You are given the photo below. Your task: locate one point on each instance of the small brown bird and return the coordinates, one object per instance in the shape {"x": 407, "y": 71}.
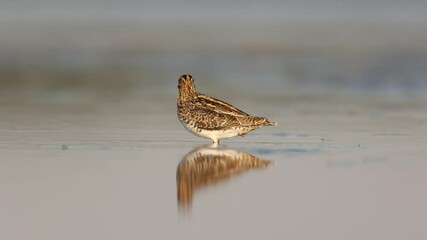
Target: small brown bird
{"x": 208, "y": 117}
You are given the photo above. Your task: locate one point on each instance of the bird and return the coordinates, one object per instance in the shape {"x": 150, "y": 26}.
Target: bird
{"x": 212, "y": 118}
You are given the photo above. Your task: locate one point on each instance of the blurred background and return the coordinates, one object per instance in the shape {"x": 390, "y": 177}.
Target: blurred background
{"x": 90, "y": 145}
{"x": 87, "y": 52}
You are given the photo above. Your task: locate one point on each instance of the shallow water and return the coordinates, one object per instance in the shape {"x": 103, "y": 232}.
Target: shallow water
{"x": 334, "y": 168}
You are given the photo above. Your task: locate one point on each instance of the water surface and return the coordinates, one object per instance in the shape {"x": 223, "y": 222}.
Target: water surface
{"x": 343, "y": 169}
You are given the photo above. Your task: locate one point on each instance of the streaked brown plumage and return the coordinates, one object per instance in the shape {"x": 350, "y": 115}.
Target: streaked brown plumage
{"x": 212, "y": 118}
{"x": 206, "y": 166}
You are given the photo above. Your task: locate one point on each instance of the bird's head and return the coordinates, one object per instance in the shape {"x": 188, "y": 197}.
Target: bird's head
{"x": 186, "y": 87}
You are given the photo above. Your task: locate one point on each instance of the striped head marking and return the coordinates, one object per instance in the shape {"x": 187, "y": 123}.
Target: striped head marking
{"x": 186, "y": 87}
{"x": 185, "y": 80}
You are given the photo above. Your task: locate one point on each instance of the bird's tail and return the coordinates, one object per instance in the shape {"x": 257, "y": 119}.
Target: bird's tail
{"x": 258, "y": 121}
{"x": 268, "y": 123}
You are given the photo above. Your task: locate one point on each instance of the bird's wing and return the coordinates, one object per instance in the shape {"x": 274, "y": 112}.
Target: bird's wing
{"x": 206, "y": 117}
{"x": 218, "y": 106}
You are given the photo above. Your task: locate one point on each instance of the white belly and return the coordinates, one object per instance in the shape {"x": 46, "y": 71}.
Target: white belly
{"x": 214, "y": 134}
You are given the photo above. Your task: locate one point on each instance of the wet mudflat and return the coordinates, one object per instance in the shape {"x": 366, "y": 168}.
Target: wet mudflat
{"x": 334, "y": 168}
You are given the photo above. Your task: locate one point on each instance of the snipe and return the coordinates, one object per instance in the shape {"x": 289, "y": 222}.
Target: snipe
{"x": 211, "y": 118}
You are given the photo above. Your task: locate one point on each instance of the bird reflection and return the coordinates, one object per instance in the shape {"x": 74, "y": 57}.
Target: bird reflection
{"x": 206, "y": 166}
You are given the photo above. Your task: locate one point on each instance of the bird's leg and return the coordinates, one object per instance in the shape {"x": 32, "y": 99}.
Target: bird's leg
{"x": 215, "y": 142}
